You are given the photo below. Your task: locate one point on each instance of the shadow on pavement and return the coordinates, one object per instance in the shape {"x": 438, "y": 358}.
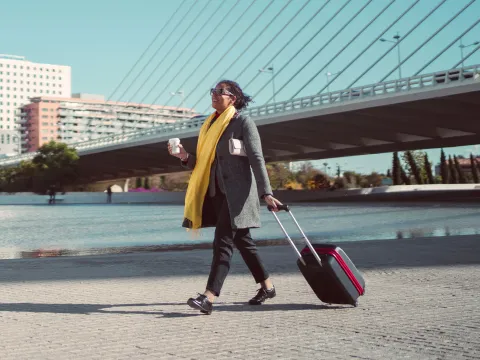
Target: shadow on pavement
{"x": 85, "y": 309}
{"x": 280, "y": 259}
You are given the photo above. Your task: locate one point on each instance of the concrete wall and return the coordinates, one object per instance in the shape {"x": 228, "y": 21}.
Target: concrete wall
{"x": 439, "y": 192}
{"x": 93, "y": 198}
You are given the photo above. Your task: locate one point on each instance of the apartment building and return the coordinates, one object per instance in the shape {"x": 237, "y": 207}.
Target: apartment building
{"x": 20, "y": 80}
{"x": 85, "y": 117}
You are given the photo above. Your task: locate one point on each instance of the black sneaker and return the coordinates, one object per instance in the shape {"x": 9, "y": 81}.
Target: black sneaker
{"x": 201, "y": 303}
{"x": 262, "y": 295}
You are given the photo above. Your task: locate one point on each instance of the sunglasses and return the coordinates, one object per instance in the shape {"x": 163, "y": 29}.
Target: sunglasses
{"x": 221, "y": 91}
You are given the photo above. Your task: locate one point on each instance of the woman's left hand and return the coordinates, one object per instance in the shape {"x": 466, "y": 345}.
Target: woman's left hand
{"x": 270, "y": 200}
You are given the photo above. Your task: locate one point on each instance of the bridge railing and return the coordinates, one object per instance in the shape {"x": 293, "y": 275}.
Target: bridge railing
{"x": 368, "y": 91}
{"x": 439, "y": 78}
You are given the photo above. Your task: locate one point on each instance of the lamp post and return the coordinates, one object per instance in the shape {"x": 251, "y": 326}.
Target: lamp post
{"x": 271, "y": 70}
{"x": 325, "y": 164}
{"x": 461, "y": 46}
{"x": 397, "y": 39}
{"x": 182, "y": 94}
{"x": 327, "y": 75}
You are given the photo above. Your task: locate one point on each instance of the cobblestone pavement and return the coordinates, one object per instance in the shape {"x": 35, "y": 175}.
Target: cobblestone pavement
{"x": 422, "y": 302}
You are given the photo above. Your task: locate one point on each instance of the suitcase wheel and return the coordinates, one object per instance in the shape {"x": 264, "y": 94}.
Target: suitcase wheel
{"x": 355, "y": 304}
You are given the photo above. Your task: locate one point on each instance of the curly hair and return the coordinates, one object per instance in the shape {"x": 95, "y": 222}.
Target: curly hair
{"x": 242, "y": 99}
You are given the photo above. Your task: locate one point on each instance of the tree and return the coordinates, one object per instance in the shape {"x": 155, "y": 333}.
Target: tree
{"x": 147, "y": 183}
{"x": 319, "y": 181}
{"x": 418, "y": 159}
{"x": 138, "y": 183}
{"x": 389, "y": 173}
{"x": 474, "y": 168}
{"x": 414, "y": 170}
{"x": 374, "y": 179}
{"x": 428, "y": 170}
{"x": 404, "y": 176}
{"x": 461, "y": 175}
{"x": 453, "y": 171}
{"x": 305, "y": 174}
{"x": 55, "y": 164}
{"x": 279, "y": 175}
{"x": 444, "y": 170}
{"x": 396, "y": 170}
{"x": 7, "y": 179}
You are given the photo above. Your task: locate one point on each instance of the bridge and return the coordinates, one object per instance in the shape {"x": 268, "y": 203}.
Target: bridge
{"x": 304, "y": 39}
{"x": 425, "y": 111}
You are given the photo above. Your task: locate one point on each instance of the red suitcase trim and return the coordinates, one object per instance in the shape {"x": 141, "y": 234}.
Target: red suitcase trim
{"x": 342, "y": 264}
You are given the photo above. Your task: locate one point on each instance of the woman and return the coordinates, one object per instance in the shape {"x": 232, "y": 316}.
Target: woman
{"x": 223, "y": 192}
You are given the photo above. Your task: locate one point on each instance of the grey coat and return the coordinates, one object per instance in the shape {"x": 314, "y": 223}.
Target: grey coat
{"x": 242, "y": 178}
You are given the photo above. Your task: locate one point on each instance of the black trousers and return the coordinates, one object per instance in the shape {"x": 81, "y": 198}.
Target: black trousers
{"x": 225, "y": 238}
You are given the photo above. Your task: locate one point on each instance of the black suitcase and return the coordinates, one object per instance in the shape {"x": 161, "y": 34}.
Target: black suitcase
{"x": 327, "y": 268}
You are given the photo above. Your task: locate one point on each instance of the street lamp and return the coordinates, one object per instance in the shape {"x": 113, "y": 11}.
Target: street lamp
{"x": 182, "y": 94}
{"x": 327, "y": 75}
{"x": 325, "y": 164}
{"x": 270, "y": 70}
{"x": 461, "y": 46}
{"x": 397, "y": 39}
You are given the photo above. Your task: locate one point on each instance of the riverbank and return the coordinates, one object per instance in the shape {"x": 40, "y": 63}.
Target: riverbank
{"x": 436, "y": 192}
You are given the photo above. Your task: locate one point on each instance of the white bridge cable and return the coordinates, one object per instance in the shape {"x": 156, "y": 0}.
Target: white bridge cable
{"x": 448, "y": 47}
{"x": 145, "y": 51}
{"x": 211, "y": 50}
{"x": 194, "y": 53}
{"x": 368, "y": 46}
{"x": 244, "y": 51}
{"x": 303, "y": 47}
{"x": 427, "y": 40}
{"x": 231, "y": 47}
{"x": 396, "y": 44}
{"x": 290, "y": 40}
{"x": 169, "y": 51}
{"x": 356, "y": 35}
{"x": 158, "y": 49}
{"x": 320, "y": 50}
{"x": 467, "y": 56}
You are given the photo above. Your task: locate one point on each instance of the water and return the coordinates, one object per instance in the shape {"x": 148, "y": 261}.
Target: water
{"x": 79, "y": 228}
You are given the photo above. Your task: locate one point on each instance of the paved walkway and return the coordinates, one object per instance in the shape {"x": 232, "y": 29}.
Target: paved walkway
{"x": 422, "y": 302}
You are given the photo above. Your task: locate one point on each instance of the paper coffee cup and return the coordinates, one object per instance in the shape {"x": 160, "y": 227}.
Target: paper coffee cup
{"x": 174, "y": 144}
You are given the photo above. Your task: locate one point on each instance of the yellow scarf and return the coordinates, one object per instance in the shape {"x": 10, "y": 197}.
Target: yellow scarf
{"x": 206, "y": 148}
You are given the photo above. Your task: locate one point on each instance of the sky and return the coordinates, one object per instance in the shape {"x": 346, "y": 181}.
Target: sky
{"x": 195, "y": 43}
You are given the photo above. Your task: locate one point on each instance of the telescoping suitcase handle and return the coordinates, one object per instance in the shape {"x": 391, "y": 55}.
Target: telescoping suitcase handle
{"x": 309, "y": 244}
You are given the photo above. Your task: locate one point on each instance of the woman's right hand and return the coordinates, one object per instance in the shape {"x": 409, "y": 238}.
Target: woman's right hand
{"x": 182, "y": 155}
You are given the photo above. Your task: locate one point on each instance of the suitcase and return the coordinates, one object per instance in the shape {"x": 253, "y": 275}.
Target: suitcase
{"x": 327, "y": 268}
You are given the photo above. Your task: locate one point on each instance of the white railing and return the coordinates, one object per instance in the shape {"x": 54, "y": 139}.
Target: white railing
{"x": 440, "y": 78}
